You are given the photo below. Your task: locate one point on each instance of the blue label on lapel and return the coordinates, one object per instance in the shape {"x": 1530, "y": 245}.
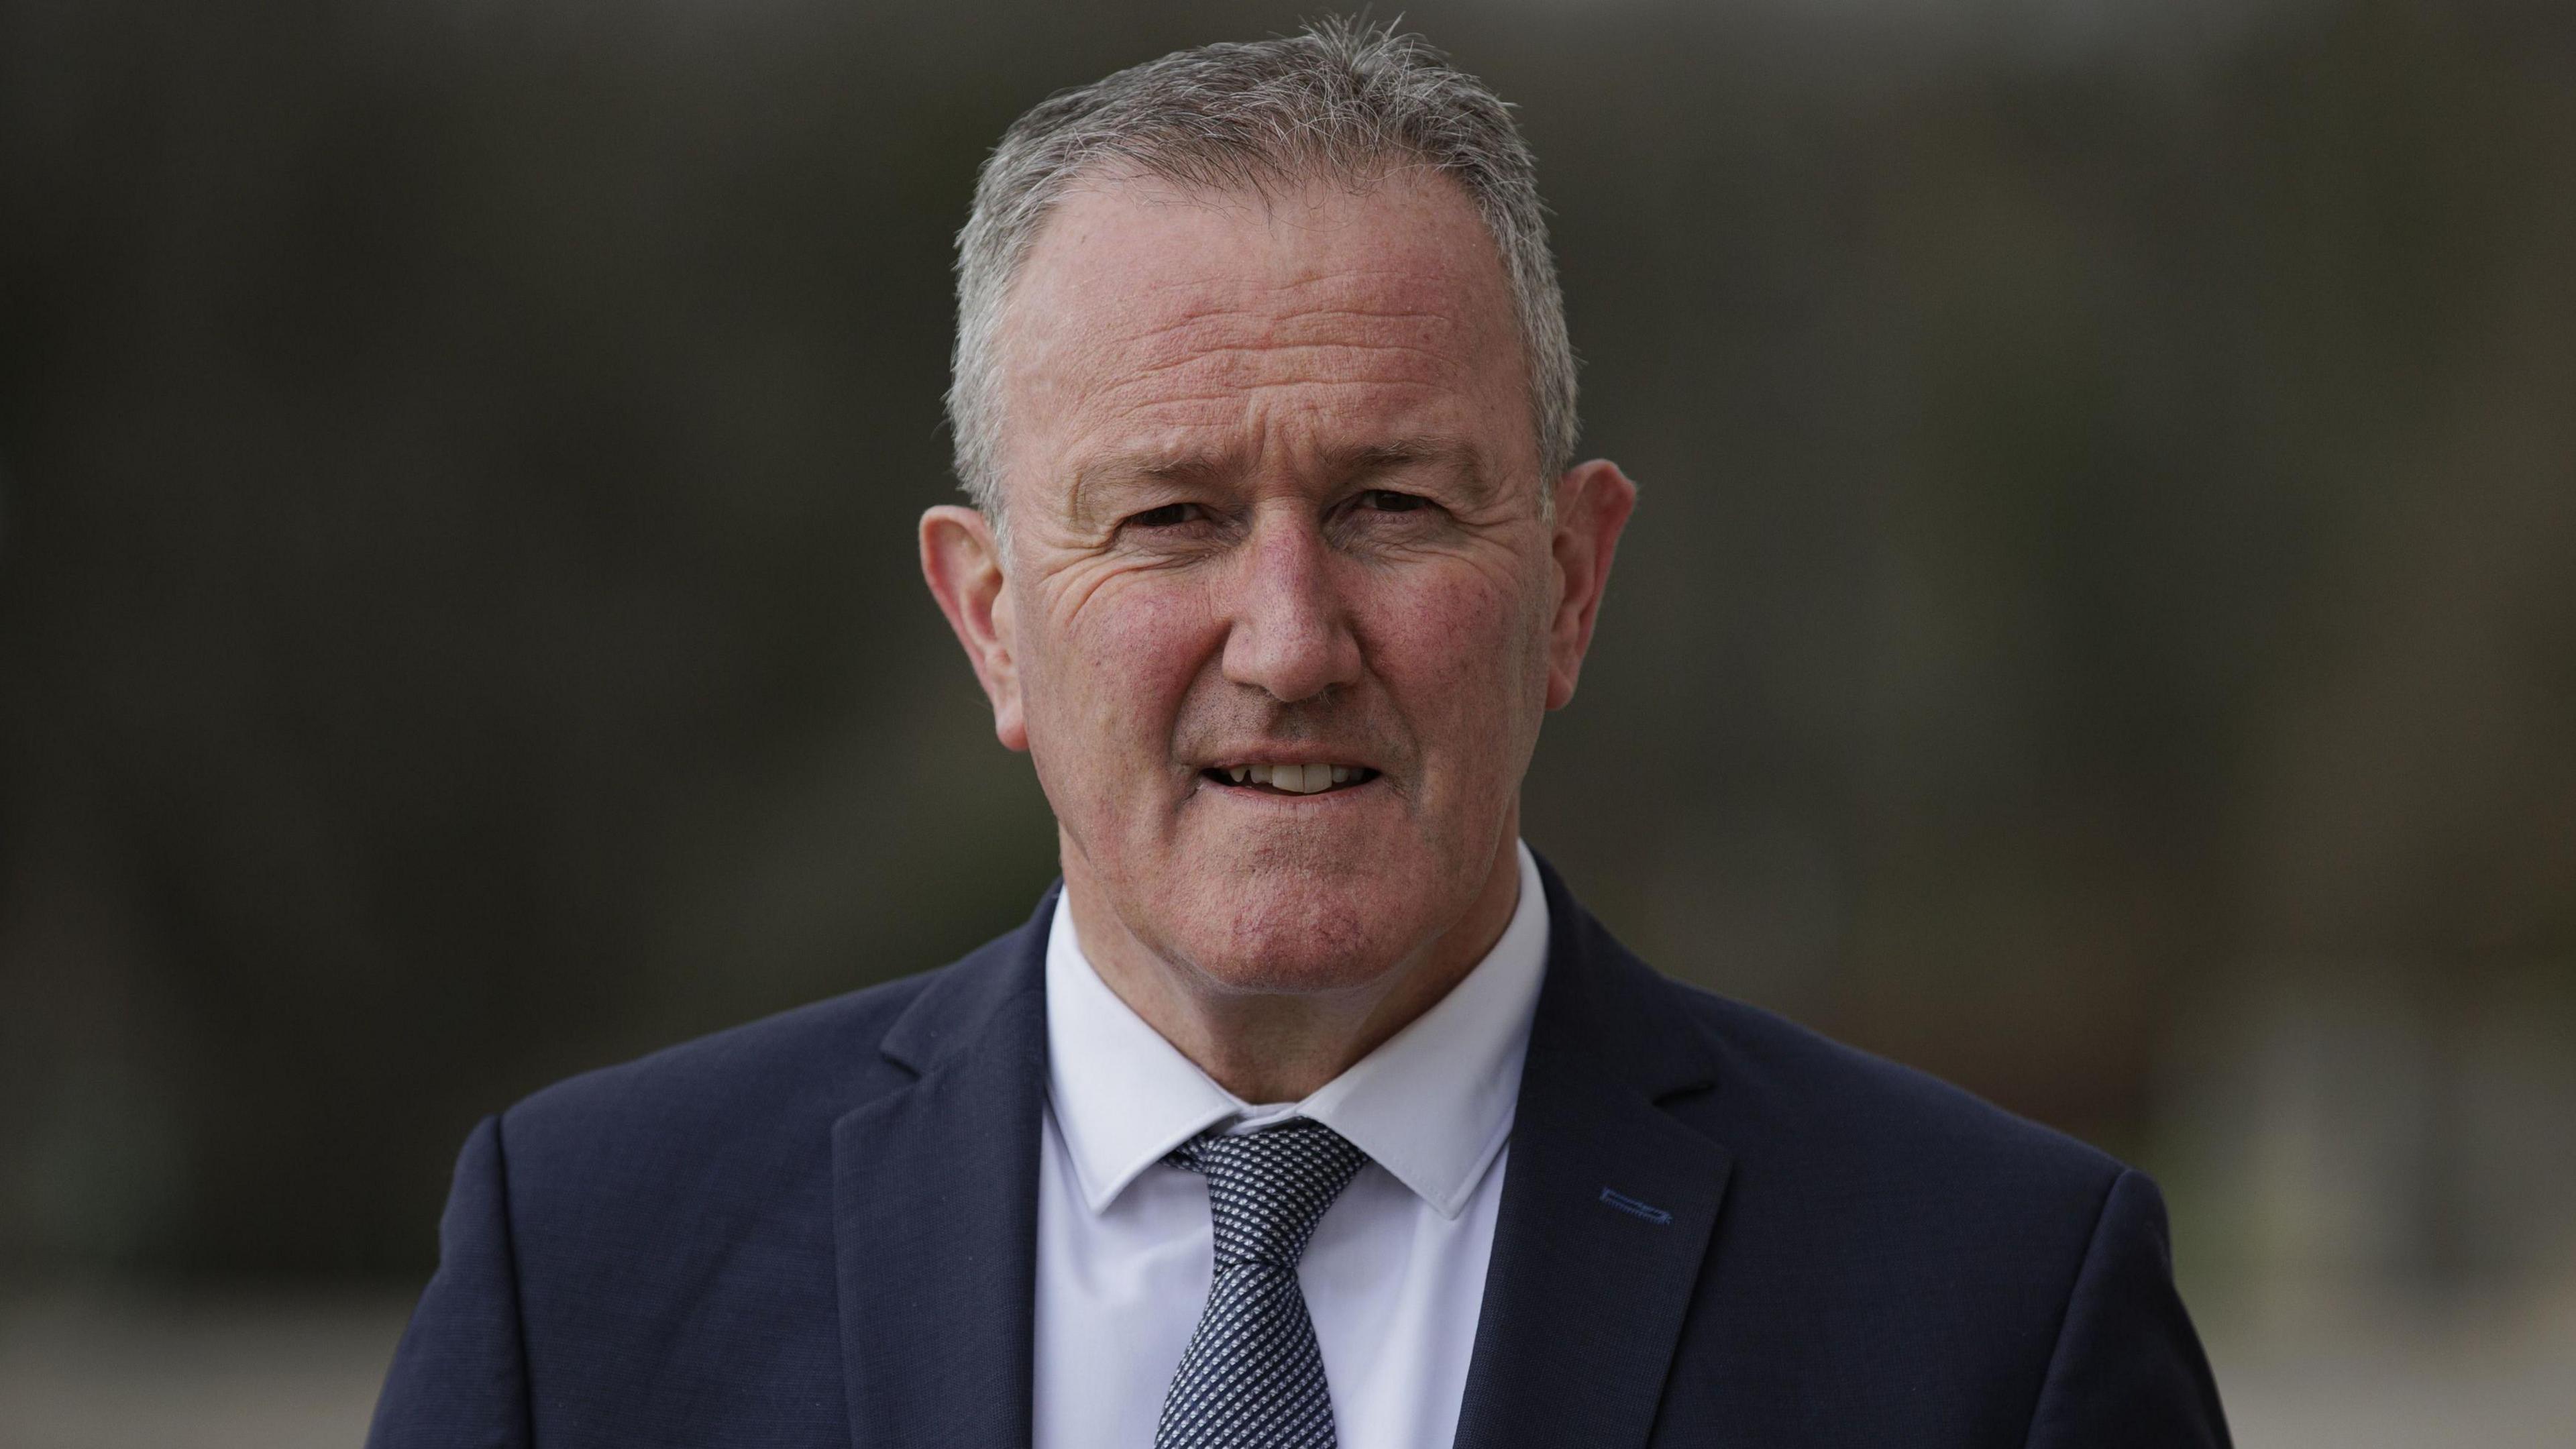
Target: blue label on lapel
{"x": 1627, "y": 1204}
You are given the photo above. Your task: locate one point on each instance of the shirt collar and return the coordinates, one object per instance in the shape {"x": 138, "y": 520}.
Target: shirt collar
{"x": 1432, "y": 1105}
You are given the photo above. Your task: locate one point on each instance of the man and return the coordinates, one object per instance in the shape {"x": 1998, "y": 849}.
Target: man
{"x": 1311, "y": 1109}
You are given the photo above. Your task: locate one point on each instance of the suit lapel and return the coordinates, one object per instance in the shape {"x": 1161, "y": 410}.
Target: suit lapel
{"x": 935, "y": 1211}
{"x": 1608, "y": 1203}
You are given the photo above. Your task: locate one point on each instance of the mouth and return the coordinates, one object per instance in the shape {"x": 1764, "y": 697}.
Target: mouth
{"x": 1315, "y": 779}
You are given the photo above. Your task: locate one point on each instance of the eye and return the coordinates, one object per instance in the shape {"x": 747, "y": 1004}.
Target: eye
{"x": 1170, "y": 515}
{"x": 1387, "y": 500}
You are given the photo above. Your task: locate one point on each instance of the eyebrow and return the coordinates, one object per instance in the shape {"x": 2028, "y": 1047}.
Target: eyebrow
{"x": 1379, "y": 457}
{"x": 1145, "y": 467}
{"x": 1356, "y": 460}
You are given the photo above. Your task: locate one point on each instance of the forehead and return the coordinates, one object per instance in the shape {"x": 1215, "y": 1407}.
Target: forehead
{"x": 1151, "y": 321}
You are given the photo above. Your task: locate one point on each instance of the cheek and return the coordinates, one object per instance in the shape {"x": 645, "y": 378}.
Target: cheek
{"x": 1109, "y": 678}
{"x": 1465, "y": 655}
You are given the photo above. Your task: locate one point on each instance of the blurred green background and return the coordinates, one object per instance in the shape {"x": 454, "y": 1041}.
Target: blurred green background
{"x": 2100, "y": 626}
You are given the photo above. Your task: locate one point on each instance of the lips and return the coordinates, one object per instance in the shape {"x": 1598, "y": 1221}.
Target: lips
{"x": 1290, "y": 779}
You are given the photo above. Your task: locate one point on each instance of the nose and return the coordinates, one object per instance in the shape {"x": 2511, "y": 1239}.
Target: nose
{"x": 1289, "y": 628}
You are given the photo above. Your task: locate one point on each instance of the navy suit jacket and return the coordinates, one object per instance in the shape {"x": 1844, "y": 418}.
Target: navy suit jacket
{"x": 1716, "y": 1229}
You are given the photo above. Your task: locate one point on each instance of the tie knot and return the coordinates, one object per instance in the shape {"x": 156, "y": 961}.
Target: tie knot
{"x": 1268, "y": 1189}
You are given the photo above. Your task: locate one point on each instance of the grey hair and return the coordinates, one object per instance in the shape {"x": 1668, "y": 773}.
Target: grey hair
{"x": 1343, "y": 100}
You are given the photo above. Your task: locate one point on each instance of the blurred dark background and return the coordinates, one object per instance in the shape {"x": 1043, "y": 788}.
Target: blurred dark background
{"x": 2101, "y": 624}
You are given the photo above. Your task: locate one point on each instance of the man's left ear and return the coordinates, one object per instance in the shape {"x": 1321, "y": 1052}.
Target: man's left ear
{"x": 1593, "y": 501}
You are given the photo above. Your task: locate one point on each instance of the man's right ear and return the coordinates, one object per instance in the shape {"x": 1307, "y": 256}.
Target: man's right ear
{"x": 962, "y": 562}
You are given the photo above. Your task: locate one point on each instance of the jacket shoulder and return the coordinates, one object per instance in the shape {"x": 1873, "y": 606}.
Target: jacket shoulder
{"x": 647, "y": 1211}
{"x": 775, "y": 1077}
{"x": 818, "y": 1058}
{"x": 1896, "y": 1248}
{"x": 753, "y": 1101}
{"x": 1861, "y": 1119}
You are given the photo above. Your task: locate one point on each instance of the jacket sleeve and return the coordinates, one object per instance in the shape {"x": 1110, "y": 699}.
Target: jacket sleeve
{"x": 460, "y": 1376}
{"x": 2127, "y": 1369}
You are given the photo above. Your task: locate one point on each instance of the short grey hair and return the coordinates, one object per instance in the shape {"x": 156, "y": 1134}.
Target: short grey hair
{"x": 1343, "y": 100}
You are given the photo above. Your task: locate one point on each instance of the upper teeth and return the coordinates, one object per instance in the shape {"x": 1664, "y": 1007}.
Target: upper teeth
{"x": 1297, "y": 779}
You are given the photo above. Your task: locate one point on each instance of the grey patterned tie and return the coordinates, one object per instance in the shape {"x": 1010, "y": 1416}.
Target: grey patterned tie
{"x": 1252, "y": 1378}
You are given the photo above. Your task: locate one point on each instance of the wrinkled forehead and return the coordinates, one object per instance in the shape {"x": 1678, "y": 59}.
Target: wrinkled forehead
{"x": 1323, "y": 315}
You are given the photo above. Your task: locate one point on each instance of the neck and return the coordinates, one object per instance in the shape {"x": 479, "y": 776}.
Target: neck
{"x": 1267, "y": 1047}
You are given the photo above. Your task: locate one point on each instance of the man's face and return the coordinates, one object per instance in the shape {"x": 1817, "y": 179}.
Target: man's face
{"x": 1281, "y": 607}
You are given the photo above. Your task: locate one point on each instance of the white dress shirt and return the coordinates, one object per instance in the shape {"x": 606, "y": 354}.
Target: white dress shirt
{"x": 1395, "y": 1274}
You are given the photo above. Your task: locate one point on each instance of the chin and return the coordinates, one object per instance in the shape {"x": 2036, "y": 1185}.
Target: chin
{"x": 1301, "y": 935}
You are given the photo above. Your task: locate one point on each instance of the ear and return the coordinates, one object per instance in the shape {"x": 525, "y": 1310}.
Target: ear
{"x": 1593, "y": 501}
{"x": 962, "y": 562}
